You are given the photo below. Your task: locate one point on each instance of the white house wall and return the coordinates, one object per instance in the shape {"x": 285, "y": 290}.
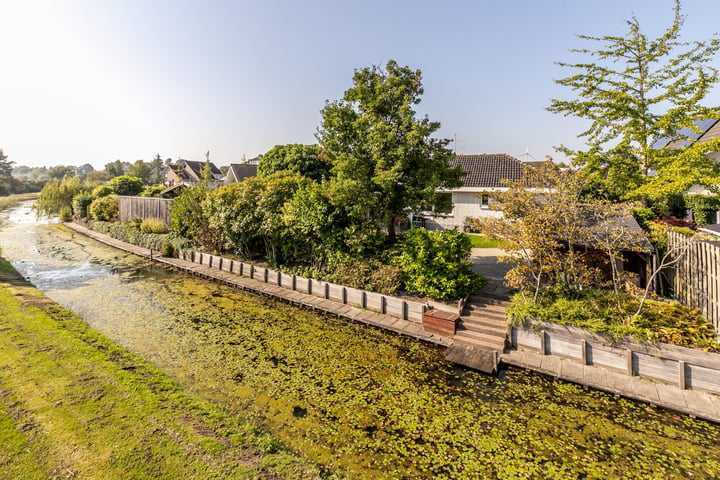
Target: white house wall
{"x": 465, "y": 205}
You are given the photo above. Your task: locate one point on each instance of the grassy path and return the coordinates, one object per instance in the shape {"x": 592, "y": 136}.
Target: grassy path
{"x": 75, "y": 405}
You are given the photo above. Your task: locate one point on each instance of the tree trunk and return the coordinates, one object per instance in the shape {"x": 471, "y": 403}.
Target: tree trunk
{"x": 392, "y": 237}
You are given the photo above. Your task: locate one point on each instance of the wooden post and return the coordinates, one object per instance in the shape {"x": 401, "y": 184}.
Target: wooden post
{"x": 265, "y": 275}
{"x": 294, "y": 282}
{"x": 583, "y": 351}
{"x": 383, "y": 304}
{"x": 279, "y": 278}
{"x": 344, "y": 295}
{"x": 543, "y": 343}
{"x": 682, "y": 382}
{"x": 309, "y": 280}
{"x": 405, "y": 314}
{"x": 629, "y": 357}
{"x": 252, "y": 271}
{"x": 327, "y": 290}
{"x": 363, "y": 299}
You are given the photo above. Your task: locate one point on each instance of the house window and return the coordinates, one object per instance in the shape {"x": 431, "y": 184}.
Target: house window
{"x": 484, "y": 201}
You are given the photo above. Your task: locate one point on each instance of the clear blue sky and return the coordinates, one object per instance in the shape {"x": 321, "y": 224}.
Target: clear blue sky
{"x": 98, "y": 80}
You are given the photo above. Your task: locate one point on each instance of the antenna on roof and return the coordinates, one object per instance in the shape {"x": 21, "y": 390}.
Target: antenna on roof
{"x": 455, "y": 143}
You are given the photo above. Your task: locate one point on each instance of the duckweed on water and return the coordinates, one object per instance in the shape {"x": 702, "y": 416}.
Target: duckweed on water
{"x": 384, "y": 406}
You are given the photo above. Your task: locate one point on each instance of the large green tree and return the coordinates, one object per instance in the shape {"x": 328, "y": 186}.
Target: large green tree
{"x": 5, "y": 165}
{"x": 6, "y": 181}
{"x": 157, "y": 169}
{"x": 142, "y": 170}
{"x": 384, "y": 158}
{"x": 307, "y": 160}
{"x": 635, "y": 90}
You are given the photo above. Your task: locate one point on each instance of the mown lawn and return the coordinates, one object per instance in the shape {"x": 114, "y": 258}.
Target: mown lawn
{"x": 75, "y": 405}
{"x": 479, "y": 241}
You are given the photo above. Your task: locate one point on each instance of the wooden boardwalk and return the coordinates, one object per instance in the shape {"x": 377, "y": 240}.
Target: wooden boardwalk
{"x": 379, "y": 320}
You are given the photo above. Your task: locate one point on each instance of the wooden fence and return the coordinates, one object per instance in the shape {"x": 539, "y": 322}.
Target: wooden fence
{"x": 684, "y": 367}
{"x": 386, "y": 304}
{"x": 144, "y": 207}
{"x": 696, "y": 278}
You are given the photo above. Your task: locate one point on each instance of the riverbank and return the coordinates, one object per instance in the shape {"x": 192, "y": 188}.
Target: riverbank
{"x": 360, "y": 400}
{"x": 75, "y": 405}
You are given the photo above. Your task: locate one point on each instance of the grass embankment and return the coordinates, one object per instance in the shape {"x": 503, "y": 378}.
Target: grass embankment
{"x": 75, "y": 405}
{"x": 14, "y": 200}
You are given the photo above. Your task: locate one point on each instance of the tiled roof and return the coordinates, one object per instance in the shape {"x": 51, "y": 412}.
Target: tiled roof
{"x": 239, "y": 171}
{"x": 488, "y": 169}
{"x": 197, "y": 167}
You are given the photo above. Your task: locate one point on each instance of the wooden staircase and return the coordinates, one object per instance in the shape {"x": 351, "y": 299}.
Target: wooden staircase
{"x": 481, "y": 333}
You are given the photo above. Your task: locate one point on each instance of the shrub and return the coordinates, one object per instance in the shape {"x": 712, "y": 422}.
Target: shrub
{"x": 435, "y": 264}
{"x": 387, "y": 279}
{"x": 167, "y": 250}
{"x": 152, "y": 191}
{"x": 126, "y": 185}
{"x": 104, "y": 208}
{"x": 128, "y": 232}
{"x": 644, "y": 216}
{"x": 102, "y": 191}
{"x": 153, "y": 225}
{"x": 80, "y": 204}
{"x": 65, "y": 214}
{"x": 187, "y": 216}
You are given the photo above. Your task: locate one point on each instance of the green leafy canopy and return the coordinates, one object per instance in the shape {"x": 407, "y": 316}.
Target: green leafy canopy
{"x": 384, "y": 159}
{"x": 635, "y": 90}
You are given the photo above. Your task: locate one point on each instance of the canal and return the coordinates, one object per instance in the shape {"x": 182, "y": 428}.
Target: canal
{"x": 347, "y": 396}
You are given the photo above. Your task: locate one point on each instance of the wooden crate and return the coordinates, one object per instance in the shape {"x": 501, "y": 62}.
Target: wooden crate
{"x": 439, "y": 322}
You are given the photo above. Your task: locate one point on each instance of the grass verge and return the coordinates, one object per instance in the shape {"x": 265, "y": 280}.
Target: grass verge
{"x": 75, "y": 405}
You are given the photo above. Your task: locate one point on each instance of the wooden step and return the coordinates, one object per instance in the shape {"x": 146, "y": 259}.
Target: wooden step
{"x": 482, "y": 327}
{"x": 490, "y": 315}
{"x": 486, "y": 302}
{"x": 489, "y": 295}
{"x": 485, "y": 360}
{"x": 480, "y": 339}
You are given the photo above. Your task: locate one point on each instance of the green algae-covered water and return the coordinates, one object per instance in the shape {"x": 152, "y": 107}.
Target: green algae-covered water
{"x": 358, "y": 400}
